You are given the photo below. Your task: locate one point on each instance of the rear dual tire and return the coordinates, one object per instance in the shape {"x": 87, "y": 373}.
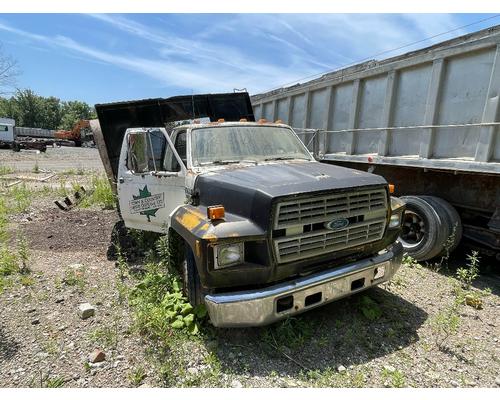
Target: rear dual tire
{"x": 431, "y": 227}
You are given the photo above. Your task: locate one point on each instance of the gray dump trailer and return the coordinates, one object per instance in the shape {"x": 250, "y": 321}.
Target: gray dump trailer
{"x": 428, "y": 121}
{"x": 35, "y": 132}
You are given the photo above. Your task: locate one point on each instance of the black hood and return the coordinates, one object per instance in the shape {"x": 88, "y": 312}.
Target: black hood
{"x": 250, "y": 191}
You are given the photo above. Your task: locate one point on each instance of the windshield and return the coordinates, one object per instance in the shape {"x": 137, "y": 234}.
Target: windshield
{"x": 227, "y": 144}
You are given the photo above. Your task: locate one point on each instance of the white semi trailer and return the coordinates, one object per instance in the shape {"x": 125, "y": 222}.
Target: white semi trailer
{"x": 428, "y": 121}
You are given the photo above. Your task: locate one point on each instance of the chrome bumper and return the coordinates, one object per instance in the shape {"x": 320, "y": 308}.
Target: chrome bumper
{"x": 264, "y": 306}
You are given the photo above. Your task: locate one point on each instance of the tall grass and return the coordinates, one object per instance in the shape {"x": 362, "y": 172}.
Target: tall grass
{"x": 100, "y": 194}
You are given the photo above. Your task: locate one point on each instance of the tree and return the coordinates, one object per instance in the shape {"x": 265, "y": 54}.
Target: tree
{"x": 8, "y": 72}
{"x": 73, "y": 111}
{"x": 27, "y": 108}
{"x": 51, "y": 110}
{"x": 34, "y": 111}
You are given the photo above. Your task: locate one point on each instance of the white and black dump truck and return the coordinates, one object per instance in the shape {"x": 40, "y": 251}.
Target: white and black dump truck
{"x": 427, "y": 121}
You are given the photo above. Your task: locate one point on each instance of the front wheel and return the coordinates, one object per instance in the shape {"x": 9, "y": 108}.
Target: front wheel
{"x": 191, "y": 279}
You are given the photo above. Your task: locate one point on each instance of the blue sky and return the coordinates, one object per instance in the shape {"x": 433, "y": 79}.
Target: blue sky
{"x": 113, "y": 57}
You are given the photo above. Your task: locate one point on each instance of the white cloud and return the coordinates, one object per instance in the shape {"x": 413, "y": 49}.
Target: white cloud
{"x": 199, "y": 76}
{"x": 216, "y": 58}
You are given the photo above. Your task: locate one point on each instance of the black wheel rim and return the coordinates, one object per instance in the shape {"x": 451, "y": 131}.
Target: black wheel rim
{"x": 413, "y": 231}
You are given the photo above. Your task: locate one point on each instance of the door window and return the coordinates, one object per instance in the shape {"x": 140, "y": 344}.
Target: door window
{"x": 146, "y": 150}
{"x": 171, "y": 163}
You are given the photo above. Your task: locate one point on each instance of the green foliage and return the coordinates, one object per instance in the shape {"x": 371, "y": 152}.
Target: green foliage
{"x": 74, "y": 277}
{"x": 395, "y": 378}
{"x": 8, "y": 262}
{"x": 20, "y": 197}
{"x": 24, "y": 253}
{"x": 445, "y": 324}
{"x": 73, "y": 111}
{"x": 468, "y": 274}
{"x": 55, "y": 382}
{"x": 292, "y": 333}
{"x": 100, "y": 194}
{"x": 106, "y": 337}
{"x": 370, "y": 309}
{"x": 32, "y": 110}
{"x": 409, "y": 261}
{"x": 5, "y": 169}
{"x": 161, "y": 307}
{"x": 137, "y": 375}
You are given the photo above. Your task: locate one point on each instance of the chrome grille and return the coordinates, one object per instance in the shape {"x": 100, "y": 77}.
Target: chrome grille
{"x": 303, "y": 223}
{"x": 324, "y": 208}
{"x": 316, "y": 243}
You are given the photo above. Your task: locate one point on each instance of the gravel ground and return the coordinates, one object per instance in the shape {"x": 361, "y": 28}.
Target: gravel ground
{"x": 399, "y": 334}
{"x": 54, "y": 159}
{"x": 42, "y": 338}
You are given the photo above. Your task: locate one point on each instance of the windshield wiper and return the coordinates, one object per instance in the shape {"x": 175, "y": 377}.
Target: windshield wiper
{"x": 225, "y": 162}
{"x": 284, "y": 158}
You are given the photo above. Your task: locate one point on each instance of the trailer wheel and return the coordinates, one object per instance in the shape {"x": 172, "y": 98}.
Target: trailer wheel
{"x": 451, "y": 220}
{"x": 16, "y": 147}
{"x": 423, "y": 234}
{"x": 191, "y": 279}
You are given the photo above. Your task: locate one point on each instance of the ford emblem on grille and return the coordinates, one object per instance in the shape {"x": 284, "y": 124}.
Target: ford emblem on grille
{"x": 337, "y": 224}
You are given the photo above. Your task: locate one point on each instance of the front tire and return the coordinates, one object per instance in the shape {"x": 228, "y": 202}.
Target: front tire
{"x": 191, "y": 279}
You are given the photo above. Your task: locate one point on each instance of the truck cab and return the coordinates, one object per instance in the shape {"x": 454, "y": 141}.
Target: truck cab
{"x": 6, "y": 132}
{"x": 268, "y": 231}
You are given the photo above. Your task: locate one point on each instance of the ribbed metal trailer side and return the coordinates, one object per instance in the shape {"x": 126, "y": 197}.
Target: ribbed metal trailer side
{"x": 435, "y": 109}
{"x": 34, "y": 132}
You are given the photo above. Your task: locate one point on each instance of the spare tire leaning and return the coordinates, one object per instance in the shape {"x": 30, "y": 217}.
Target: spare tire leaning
{"x": 452, "y": 220}
{"x": 424, "y": 230}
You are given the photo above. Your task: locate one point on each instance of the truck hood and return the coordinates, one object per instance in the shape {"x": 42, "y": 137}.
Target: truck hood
{"x": 250, "y": 191}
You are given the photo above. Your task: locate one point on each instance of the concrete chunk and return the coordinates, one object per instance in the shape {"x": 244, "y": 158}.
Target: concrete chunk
{"x": 86, "y": 310}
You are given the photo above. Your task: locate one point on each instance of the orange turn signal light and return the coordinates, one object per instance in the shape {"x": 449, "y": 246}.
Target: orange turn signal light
{"x": 216, "y": 212}
{"x": 221, "y": 120}
{"x": 243, "y": 120}
{"x": 262, "y": 121}
{"x": 391, "y": 188}
{"x": 278, "y": 121}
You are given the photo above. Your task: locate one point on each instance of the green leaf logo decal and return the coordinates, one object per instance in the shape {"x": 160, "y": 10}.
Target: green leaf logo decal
{"x": 146, "y": 203}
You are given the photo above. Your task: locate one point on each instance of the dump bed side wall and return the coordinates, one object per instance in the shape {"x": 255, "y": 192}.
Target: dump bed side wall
{"x": 452, "y": 83}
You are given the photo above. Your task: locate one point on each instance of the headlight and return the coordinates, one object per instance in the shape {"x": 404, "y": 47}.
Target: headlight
{"x": 228, "y": 255}
{"x": 395, "y": 220}
{"x": 397, "y": 207}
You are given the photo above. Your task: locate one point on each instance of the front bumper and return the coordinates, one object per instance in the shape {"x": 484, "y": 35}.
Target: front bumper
{"x": 264, "y": 306}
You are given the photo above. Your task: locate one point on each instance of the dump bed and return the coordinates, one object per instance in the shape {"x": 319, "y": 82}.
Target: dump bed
{"x": 433, "y": 108}
{"x": 115, "y": 118}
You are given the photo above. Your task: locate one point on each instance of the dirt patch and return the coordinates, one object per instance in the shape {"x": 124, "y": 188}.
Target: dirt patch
{"x": 68, "y": 231}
